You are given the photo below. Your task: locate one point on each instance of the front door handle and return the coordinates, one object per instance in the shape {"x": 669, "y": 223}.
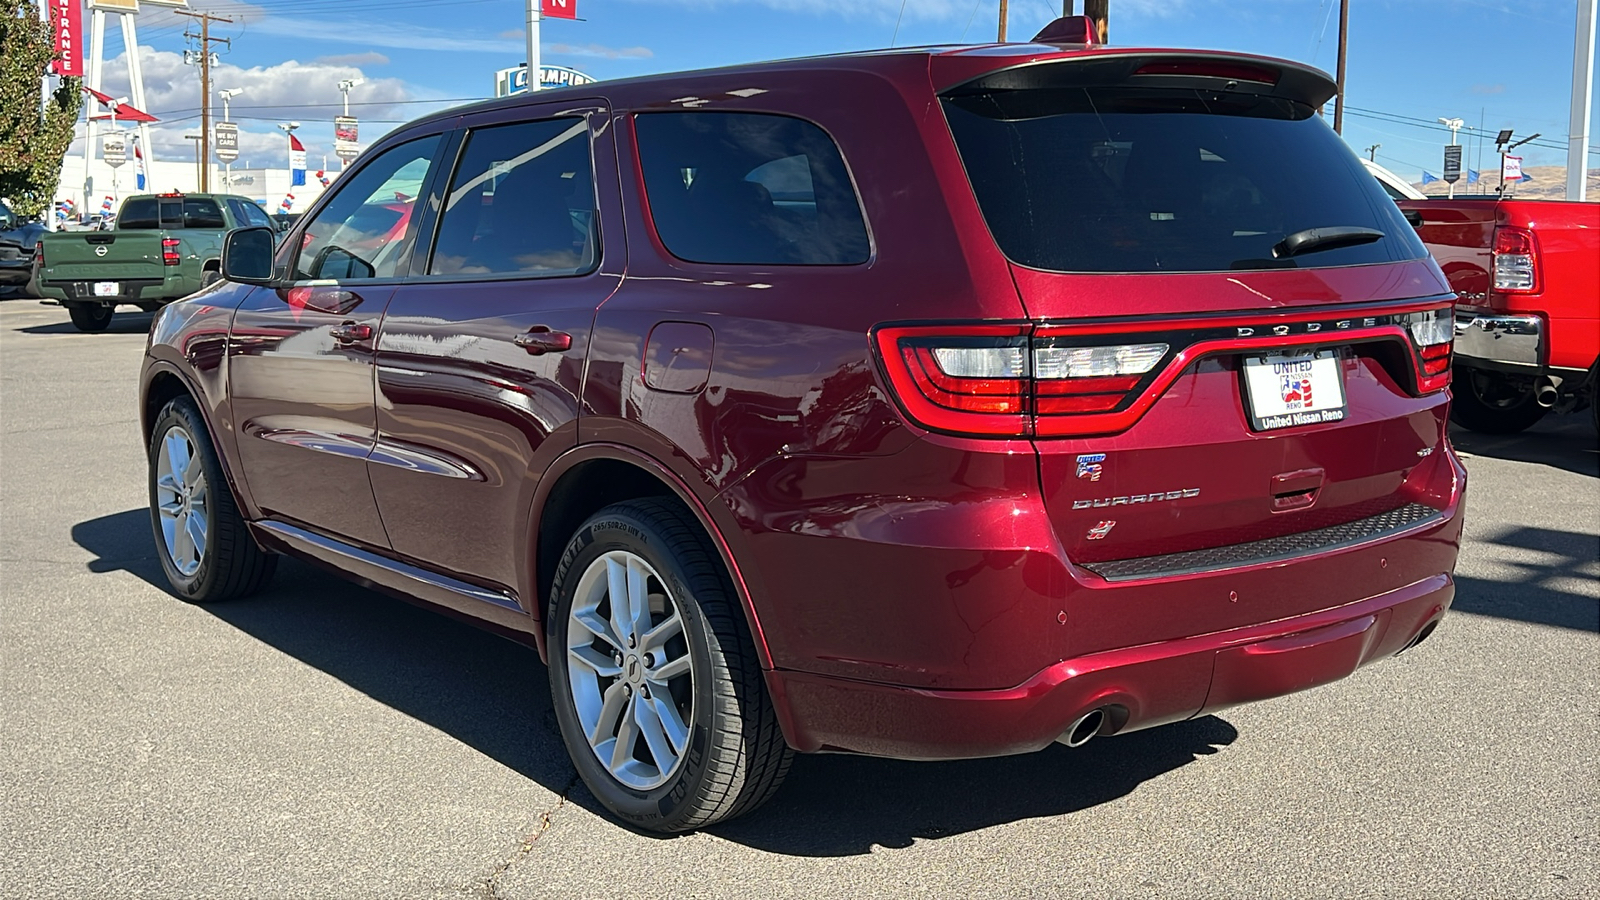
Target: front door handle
{"x": 350, "y": 333}
{"x": 540, "y": 339}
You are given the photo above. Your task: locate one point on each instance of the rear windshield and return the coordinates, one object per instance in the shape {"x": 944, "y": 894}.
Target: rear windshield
{"x": 170, "y": 212}
{"x": 1131, "y": 179}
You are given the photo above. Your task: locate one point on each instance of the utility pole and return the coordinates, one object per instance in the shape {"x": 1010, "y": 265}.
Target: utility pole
{"x": 1099, "y": 11}
{"x": 1338, "y": 103}
{"x": 198, "y": 142}
{"x": 1582, "y": 92}
{"x": 1372, "y": 152}
{"x": 206, "y": 40}
{"x": 1003, "y": 14}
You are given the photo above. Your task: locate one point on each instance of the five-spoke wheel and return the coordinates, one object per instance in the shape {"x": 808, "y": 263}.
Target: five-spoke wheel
{"x": 181, "y": 499}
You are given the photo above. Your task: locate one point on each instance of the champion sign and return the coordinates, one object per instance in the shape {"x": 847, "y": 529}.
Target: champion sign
{"x": 515, "y": 80}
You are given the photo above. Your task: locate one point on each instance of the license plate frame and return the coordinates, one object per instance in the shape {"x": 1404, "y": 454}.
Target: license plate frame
{"x": 105, "y": 288}
{"x": 1294, "y": 388}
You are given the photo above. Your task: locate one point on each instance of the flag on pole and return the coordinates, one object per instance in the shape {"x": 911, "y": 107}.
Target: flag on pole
{"x": 1428, "y": 177}
{"x": 106, "y": 204}
{"x": 1472, "y": 176}
{"x": 125, "y": 113}
{"x": 297, "y": 161}
{"x": 138, "y": 165}
{"x": 1511, "y": 169}
{"x": 322, "y": 176}
{"x": 288, "y": 203}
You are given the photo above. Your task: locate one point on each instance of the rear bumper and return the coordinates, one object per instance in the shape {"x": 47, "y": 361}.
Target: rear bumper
{"x": 1139, "y": 687}
{"x": 129, "y": 291}
{"x": 1499, "y": 340}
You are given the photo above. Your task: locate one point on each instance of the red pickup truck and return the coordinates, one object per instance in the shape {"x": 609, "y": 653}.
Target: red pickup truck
{"x": 1527, "y": 275}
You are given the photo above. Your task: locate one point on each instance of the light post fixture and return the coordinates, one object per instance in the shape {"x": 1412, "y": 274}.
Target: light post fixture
{"x": 345, "y": 87}
{"x": 227, "y": 116}
{"x": 1454, "y": 125}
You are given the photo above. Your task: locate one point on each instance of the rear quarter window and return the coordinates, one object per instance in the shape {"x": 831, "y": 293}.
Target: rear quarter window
{"x": 140, "y": 212}
{"x": 1130, "y": 179}
{"x": 748, "y": 189}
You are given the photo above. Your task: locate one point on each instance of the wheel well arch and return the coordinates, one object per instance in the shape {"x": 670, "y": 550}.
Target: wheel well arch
{"x": 612, "y": 474}
{"x": 577, "y": 494}
{"x": 212, "y": 265}
{"x": 164, "y": 387}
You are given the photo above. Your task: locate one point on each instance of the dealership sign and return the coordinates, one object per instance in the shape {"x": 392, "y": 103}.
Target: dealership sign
{"x": 67, "y": 17}
{"x": 515, "y": 80}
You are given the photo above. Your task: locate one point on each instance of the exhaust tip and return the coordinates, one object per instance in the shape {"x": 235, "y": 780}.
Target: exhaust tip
{"x": 1424, "y": 634}
{"x": 1546, "y": 392}
{"x": 1084, "y": 730}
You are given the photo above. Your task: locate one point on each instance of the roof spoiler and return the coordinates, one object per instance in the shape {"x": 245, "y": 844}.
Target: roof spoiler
{"x": 1069, "y": 30}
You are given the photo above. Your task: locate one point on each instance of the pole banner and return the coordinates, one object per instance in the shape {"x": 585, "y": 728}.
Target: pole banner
{"x": 67, "y": 18}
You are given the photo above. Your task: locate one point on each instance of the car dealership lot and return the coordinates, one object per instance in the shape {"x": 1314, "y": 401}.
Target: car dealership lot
{"x": 321, "y": 740}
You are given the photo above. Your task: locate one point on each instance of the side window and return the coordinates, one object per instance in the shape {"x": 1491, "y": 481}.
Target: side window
{"x": 254, "y": 215}
{"x": 362, "y": 232}
{"x": 521, "y": 203}
{"x": 749, "y": 188}
{"x": 202, "y": 212}
{"x": 140, "y": 212}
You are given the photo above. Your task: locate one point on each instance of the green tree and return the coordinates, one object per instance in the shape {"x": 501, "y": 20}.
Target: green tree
{"x": 31, "y": 149}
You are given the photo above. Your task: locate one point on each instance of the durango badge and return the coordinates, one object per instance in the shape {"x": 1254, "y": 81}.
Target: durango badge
{"x": 1089, "y": 466}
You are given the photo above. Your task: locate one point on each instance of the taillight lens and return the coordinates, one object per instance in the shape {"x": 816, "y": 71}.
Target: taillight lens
{"x": 1516, "y": 261}
{"x": 169, "y": 251}
{"x": 1072, "y": 379}
{"x": 963, "y": 379}
{"x": 1433, "y": 334}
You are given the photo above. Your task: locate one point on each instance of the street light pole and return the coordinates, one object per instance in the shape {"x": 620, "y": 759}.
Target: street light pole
{"x": 227, "y": 116}
{"x": 1454, "y": 125}
{"x": 533, "y": 45}
{"x": 1372, "y": 152}
{"x": 1338, "y": 104}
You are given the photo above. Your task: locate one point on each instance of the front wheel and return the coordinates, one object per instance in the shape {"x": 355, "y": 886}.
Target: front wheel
{"x": 654, "y": 677}
{"x": 90, "y": 316}
{"x": 1491, "y": 403}
{"x": 205, "y": 546}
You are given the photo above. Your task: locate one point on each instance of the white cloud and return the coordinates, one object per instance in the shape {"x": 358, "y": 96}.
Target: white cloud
{"x": 380, "y": 34}
{"x": 370, "y": 58}
{"x": 288, "y": 91}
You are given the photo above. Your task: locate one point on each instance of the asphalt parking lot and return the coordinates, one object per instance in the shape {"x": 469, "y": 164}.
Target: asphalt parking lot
{"x": 324, "y": 741}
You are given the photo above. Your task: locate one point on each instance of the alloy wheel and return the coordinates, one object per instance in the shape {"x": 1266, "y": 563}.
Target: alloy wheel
{"x": 629, "y": 670}
{"x": 182, "y": 500}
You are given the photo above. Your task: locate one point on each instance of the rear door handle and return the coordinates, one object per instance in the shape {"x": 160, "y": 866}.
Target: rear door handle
{"x": 540, "y": 340}
{"x": 350, "y": 333}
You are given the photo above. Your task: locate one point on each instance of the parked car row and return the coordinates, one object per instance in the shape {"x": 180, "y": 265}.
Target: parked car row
{"x": 933, "y": 404}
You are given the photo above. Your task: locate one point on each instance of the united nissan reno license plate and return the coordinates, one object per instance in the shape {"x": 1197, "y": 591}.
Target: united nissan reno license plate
{"x": 1288, "y": 389}
{"x": 106, "y": 288}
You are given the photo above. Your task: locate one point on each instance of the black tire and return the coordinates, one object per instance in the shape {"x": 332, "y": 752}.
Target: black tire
{"x": 734, "y": 756}
{"x": 90, "y": 316}
{"x": 232, "y": 564}
{"x": 1491, "y": 403}
{"x": 211, "y": 276}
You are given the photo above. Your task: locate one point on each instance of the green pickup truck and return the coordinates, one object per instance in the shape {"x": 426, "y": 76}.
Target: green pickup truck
{"x": 164, "y": 247}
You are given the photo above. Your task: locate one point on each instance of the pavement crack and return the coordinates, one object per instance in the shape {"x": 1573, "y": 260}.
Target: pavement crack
{"x": 488, "y": 887}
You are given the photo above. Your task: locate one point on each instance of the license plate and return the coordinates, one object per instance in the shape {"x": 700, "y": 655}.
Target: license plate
{"x": 106, "y": 288}
{"x": 1289, "y": 389}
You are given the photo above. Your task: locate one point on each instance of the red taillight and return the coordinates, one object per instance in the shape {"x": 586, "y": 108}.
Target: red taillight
{"x": 169, "y": 251}
{"x": 1432, "y": 333}
{"x": 962, "y": 379}
{"x": 1516, "y": 261}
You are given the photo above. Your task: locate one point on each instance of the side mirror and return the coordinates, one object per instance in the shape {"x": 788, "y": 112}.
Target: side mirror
{"x": 247, "y": 255}
{"x": 8, "y": 221}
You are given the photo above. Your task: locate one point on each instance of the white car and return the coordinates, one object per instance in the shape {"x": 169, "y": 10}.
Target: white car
{"x": 1393, "y": 185}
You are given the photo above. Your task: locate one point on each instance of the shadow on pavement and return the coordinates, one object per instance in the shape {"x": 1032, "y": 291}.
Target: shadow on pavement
{"x": 1548, "y": 558}
{"x": 1564, "y": 442}
{"x": 493, "y": 695}
{"x": 846, "y": 805}
{"x": 124, "y": 322}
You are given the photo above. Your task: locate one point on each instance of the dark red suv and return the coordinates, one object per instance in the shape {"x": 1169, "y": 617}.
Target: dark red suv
{"x": 927, "y": 403}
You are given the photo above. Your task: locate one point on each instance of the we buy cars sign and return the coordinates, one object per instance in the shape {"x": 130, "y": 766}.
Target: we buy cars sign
{"x": 559, "y": 9}
{"x": 66, "y": 20}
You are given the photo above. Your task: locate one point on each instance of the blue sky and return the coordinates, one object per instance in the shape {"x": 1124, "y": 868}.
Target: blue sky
{"x": 1507, "y": 65}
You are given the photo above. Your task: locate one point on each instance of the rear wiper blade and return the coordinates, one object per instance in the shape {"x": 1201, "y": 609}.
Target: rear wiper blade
{"x": 1313, "y": 240}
